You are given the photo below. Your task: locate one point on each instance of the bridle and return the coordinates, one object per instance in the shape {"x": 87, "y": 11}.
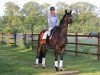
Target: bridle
{"x": 68, "y": 25}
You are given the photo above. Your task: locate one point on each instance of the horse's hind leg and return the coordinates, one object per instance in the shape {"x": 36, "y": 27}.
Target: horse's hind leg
{"x": 37, "y": 56}
{"x": 44, "y": 51}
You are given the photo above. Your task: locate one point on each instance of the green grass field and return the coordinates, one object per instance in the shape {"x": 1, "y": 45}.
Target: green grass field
{"x": 21, "y": 61}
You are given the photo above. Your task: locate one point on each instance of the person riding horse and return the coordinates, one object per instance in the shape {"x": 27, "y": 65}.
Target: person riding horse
{"x": 52, "y": 22}
{"x": 58, "y": 40}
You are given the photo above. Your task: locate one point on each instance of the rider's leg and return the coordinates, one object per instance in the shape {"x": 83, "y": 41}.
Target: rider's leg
{"x": 48, "y": 35}
{"x": 49, "y": 30}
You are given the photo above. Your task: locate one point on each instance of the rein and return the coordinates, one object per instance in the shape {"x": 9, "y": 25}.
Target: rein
{"x": 62, "y": 27}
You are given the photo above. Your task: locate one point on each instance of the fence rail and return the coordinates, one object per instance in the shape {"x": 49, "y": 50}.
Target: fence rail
{"x": 76, "y": 43}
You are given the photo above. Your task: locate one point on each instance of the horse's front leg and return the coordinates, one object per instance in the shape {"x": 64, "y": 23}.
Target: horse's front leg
{"x": 61, "y": 60}
{"x": 56, "y": 60}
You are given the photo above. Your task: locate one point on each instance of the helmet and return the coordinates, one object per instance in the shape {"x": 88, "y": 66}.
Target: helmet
{"x": 52, "y": 8}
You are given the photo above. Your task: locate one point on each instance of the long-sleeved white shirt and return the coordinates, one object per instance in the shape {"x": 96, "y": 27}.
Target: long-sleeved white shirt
{"x": 52, "y": 21}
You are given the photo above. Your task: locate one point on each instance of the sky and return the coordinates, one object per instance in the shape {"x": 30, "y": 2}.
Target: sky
{"x": 52, "y": 2}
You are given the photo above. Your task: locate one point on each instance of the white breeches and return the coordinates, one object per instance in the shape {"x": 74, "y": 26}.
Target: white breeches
{"x": 47, "y": 32}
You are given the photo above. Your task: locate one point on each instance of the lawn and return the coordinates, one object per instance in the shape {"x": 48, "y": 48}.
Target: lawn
{"x": 21, "y": 61}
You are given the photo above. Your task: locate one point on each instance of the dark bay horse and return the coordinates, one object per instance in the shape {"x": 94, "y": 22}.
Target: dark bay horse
{"x": 57, "y": 42}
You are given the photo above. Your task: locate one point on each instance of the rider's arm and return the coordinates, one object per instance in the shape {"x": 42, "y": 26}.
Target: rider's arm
{"x": 57, "y": 22}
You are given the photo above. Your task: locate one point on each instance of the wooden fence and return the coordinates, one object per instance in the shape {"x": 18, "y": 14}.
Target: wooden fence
{"x": 76, "y": 51}
{"x": 76, "y": 43}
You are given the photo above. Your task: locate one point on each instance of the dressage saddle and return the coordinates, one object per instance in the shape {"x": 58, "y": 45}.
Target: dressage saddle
{"x": 51, "y": 34}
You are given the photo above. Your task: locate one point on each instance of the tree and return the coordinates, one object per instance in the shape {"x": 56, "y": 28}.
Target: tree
{"x": 34, "y": 16}
{"x": 61, "y": 7}
{"x": 31, "y": 12}
{"x": 83, "y": 13}
{"x": 1, "y": 24}
{"x": 11, "y": 17}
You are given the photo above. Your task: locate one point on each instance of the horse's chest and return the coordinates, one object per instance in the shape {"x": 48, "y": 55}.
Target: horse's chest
{"x": 58, "y": 40}
{"x": 63, "y": 41}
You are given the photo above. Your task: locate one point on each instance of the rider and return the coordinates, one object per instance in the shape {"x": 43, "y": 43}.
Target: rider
{"x": 52, "y": 21}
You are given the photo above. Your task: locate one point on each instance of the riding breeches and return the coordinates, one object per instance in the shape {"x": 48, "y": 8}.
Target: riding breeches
{"x": 49, "y": 30}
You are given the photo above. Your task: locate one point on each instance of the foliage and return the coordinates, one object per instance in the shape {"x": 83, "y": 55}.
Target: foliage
{"x": 11, "y": 18}
{"x": 27, "y": 43}
{"x": 34, "y": 17}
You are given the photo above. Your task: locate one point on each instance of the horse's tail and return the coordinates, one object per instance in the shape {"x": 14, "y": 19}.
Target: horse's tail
{"x": 42, "y": 45}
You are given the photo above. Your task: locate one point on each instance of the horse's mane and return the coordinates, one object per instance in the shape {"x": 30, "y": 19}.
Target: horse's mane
{"x": 60, "y": 24}
{"x": 62, "y": 20}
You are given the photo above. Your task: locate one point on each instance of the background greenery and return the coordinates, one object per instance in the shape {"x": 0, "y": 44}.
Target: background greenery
{"x": 16, "y": 19}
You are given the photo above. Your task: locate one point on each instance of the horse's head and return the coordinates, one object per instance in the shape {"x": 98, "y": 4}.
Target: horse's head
{"x": 68, "y": 17}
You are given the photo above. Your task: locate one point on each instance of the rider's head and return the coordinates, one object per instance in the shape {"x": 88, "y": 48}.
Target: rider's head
{"x": 52, "y": 10}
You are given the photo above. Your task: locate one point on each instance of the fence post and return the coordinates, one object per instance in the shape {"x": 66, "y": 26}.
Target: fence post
{"x": 15, "y": 39}
{"x": 98, "y": 56}
{"x": 76, "y": 45}
{"x": 2, "y": 37}
{"x": 8, "y": 39}
{"x": 24, "y": 38}
{"x": 32, "y": 38}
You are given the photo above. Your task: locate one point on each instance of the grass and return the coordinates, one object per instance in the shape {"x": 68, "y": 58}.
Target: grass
{"x": 21, "y": 61}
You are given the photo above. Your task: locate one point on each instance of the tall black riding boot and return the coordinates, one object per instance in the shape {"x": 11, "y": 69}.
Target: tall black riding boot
{"x": 47, "y": 40}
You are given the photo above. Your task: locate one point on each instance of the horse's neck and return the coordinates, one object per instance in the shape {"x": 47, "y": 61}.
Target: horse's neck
{"x": 64, "y": 29}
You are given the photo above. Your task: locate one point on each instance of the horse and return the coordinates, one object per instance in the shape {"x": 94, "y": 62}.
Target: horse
{"x": 58, "y": 42}
{"x": 93, "y": 34}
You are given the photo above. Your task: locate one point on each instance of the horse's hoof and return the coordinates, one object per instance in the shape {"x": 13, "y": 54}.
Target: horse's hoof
{"x": 57, "y": 69}
{"x": 36, "y": 66}
{"x": 61, "y": 69}
{"x": 44, "y": 67}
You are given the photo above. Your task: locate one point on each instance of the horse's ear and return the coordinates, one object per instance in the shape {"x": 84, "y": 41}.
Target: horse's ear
{"x": 70, "y": 11}
{"x": 65, "y": 11}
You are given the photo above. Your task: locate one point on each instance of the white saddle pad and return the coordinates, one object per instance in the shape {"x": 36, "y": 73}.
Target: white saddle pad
{"x": 45, "y": 35}
{"x": 47, "y": 32}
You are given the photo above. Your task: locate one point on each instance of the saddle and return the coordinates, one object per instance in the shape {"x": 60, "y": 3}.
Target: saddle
{"x": 53, "y": 30}
{"x": 51, "y": 34}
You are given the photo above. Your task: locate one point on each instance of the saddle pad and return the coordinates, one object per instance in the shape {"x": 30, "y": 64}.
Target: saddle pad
{"x": 45, "y": 35}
